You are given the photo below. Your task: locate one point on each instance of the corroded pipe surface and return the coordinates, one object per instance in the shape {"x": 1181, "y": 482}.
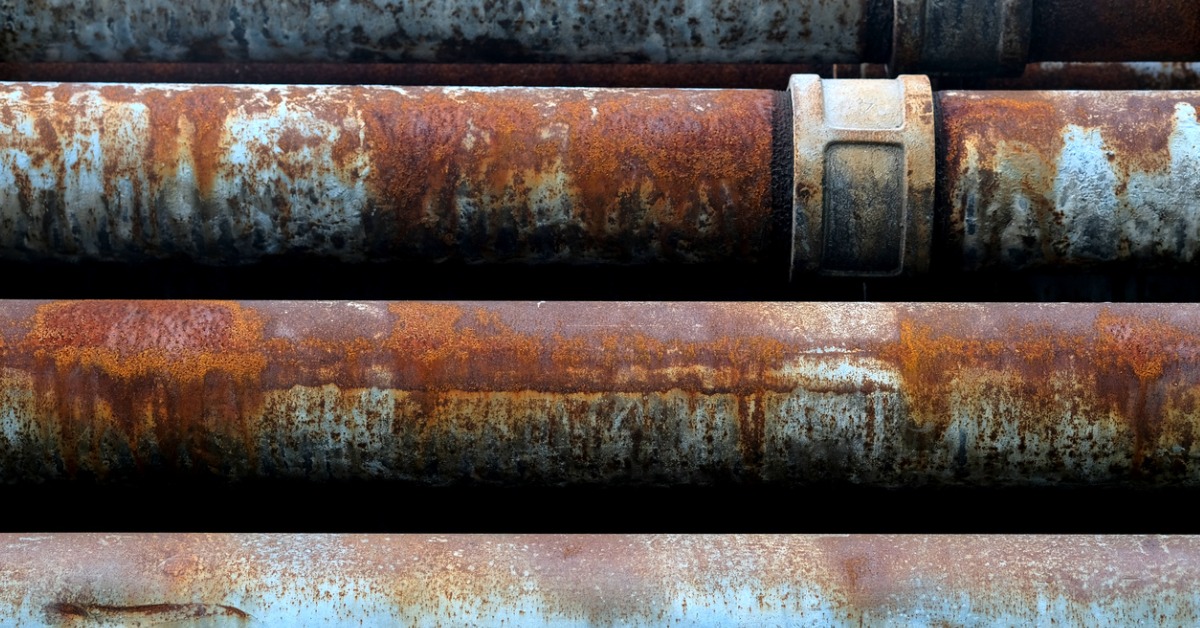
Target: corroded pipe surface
{"x": 1069, "y": 179}
{"x": 601, "y": 393}
{"x": 546, "y": 580}
{"x": 230, "y": 175}
{"x": 655, "y": 31}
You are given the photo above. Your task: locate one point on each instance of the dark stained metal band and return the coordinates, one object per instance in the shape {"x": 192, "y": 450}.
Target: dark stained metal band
{"x": 346, "y": 31}
{"x": 961, "y": 36}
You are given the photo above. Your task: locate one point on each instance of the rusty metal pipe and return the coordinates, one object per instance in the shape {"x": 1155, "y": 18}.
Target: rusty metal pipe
{"x": 601, "y": 393}
{"x": 1065, "y": 179}
{"x": 238, "y": 174}
{"x": 229, "y": 175}
{"x": 972, "y": 36}
{"x": 549, "y": 580}
{"x": 656, "y": 31}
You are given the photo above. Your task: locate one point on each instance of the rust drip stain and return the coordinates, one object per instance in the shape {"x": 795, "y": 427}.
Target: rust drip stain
{"x": 226, "y": 174}
{"x": 1132, "y": 366}
{"x": 146, "y": 372}
{"x": 447, "y": 350}
{"x": 185, "y": 127}
{"x": 215, "y": 387}
{"x": 1002, "y": 156}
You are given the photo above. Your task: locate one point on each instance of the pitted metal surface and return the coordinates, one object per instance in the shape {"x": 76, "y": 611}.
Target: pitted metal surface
{"x": 591, "y": 580}
{"x": 1064, "y": 179}
{"x": 864, "y": 173}
{"x": 657, "y": 31}
{"x": 612, "y": 394}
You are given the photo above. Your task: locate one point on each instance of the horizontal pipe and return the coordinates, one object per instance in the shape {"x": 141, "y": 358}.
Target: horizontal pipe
{"x": 555, "y": 580}
{"x": 235, "y": 174}
{"x": 555, "y": 31}
{"x": 623, "y": 394}
{"x": 918, "y": 36}
{"x": 1065, "y": 179}
{"x": 1145, "y": 75}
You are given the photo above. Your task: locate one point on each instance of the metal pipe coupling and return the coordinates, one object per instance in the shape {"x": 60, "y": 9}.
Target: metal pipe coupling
{"x": 863, "y": 176}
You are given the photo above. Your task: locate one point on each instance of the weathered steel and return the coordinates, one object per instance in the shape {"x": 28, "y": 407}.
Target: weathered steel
{"x": 1069, "y": 179}
{"x": 928, "y": 35}
{"x": 962, "y": 36}
{"x": 601, "y": 393}
{"x": 548, "y": 580}
{"x": 1115, "y": 30}
{"x": 238, "y": 174}
{"x": 709, "y": 75}
{"x": 229, "y": 175}
{"x": 863, "y": 176}
{"x": 656, "y": 31}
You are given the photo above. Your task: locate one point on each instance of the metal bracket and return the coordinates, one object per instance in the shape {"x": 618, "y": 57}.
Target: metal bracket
{"x": 961, "y": 36}
{"x": 864, "y": 176}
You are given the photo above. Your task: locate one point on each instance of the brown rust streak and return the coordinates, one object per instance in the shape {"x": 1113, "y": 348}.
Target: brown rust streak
{"x": 1099, "y": 76}
{"x": 539, "y": 175}
{"x": 145, "y": 370}
{"x": 1136, "y": 367}
{"x": 1021, "y": 135}
{"x": 184, "y": 126}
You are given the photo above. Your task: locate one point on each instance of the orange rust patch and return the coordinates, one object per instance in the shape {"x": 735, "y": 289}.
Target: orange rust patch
{"x": 1135, "y": 126}
{"x": 624, "y": 176}
{"x": 151, "y": 378}
{"x": 444, "y": 348}
{"x": 1123, "y": 360}
{"x": 928, "y": 363}
{"x": 183, "y": 339}
{"x": 447, "y": 347}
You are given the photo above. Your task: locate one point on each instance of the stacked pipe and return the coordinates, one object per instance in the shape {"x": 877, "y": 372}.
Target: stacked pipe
{"x": 233, "y": 175}
{"x": 887, "y": 176}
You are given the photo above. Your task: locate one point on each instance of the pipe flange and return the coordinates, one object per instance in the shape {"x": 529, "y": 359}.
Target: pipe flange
{"x": 961, "y": 36}
{"x": 862, "y": 203}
